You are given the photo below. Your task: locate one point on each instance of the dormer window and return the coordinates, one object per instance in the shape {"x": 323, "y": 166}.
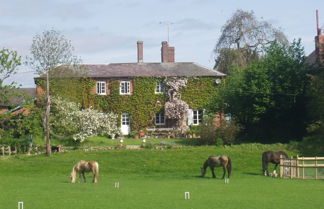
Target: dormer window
{"x": 101, "y": 88}
{"x": 124, "y": 87}
{"x": 159, "y": 89}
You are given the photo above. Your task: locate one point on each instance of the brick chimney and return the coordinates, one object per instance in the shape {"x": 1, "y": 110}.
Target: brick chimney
{"x": 319, "y": 42}
{"x": 139, "y": 51}
{"x": 171, "y": 54}
{"x": 167, "y": 52}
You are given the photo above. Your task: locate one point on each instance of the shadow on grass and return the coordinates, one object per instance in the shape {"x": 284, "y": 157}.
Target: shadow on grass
{"x": 206, "y": 177}
{"x": 252, "y": 174}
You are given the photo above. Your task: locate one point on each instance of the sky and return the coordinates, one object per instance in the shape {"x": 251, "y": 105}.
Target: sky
{"x": 106, "y": 31}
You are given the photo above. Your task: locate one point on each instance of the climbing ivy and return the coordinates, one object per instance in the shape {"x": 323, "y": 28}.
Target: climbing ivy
{"x": 199, "y": 92}
{"x": 142, "y": 104}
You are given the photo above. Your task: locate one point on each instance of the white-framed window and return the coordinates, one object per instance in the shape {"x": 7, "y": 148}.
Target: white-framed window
{"x": 101, "y": 88}
{"x": 124, "y": 87}
{"x": 159, "y": 89}
{"x": 125, "y": 119}
{"x": 228, "y": 117}
{"x": 159, "y": 118}
{"x": 197, "y": 117}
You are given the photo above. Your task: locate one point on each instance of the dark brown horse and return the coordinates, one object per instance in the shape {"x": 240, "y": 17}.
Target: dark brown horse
{"x": 217, "y": 161}
{"x": 271, "y": 157}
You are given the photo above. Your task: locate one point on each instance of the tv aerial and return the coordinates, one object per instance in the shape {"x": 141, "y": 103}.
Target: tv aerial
{"x": 167, "y": 24}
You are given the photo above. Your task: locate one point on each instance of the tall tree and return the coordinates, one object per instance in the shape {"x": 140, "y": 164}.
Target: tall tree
{"x": 315, "y": 140}
{"x": 243, "y": 38}
{"x": 9, "y": 61}
{"x": 50, "y": 50}
{"x": 268, "y": 98}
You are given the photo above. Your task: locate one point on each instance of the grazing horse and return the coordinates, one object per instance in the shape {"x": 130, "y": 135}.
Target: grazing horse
{"x": 217, "y": 161}
{"x": 82, "y": 167}
{"x": 271, "y": 157}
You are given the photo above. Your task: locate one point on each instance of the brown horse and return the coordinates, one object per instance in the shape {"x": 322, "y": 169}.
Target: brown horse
{"x": 82, "y": 167}
{"x": 217, "y": 161}
{"x": 271, "y": 157}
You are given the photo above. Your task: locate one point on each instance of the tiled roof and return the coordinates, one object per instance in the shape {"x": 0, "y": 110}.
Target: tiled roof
{"x": 311, "y": 58}
{"x": 170, "y": 69}
{"x": 18, "y": 100}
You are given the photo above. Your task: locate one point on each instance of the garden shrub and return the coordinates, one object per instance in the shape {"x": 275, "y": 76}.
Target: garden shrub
{"x": 224, "y": 133}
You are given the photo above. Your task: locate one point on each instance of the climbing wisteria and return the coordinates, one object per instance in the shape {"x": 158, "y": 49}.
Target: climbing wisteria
{"x": 176, "y": 108}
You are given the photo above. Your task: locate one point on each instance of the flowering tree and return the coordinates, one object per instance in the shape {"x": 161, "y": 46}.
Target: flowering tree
{"x": 176, "y": 108}
{"x": 80, "y": 124}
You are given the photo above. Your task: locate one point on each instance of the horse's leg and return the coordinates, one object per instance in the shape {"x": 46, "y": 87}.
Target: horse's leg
{"x": 275, "y": 168}
{"x": 224, "y": 171}
{"x": 84, "y": 179}
{"x": 213, "y": 171}
{"x": 80, "y": 177}
{"x": 94, "y": 180}
{"x": 265, "y": 170}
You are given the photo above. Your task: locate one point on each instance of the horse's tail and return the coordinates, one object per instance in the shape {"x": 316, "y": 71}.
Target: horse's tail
{"x": 229, "y": 167}
{"x": 96, "y": 172}
{"x": 97, "y": 169}
{"x": 265, "y": 163}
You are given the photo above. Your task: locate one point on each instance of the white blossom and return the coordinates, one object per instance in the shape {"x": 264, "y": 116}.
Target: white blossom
{"x": 83, "y": 123}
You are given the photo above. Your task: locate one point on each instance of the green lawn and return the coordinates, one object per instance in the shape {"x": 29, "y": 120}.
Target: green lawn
{"x": 153, "y": 179}
{"x": 103, "y": 141}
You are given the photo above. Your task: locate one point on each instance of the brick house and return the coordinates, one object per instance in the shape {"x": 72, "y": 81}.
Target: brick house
{"x": 16, "y": 104}
{"x": 136, "y": 91}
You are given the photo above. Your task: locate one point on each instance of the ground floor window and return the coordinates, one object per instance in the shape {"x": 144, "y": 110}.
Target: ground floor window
{"x": 159, "y": 118}
{"x": 125, "y": 119}
{"x": 197, "y": 116}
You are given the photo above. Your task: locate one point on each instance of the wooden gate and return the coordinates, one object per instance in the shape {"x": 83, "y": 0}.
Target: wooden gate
{"x": 302, "y": 167}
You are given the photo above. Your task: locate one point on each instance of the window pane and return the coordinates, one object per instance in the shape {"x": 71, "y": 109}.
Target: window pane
{"x": 101, "y": 87}
{"x": 125, "y": 119}
{"x": 200, "y": 116}
{"x": 159, "y": 88}
{"x": 197, "y": 116}
{"x": 124, "y": 87}
{"x": 127, "y": 87}
{"x": 159, "y": 119}
{"x": 98, "y": 88}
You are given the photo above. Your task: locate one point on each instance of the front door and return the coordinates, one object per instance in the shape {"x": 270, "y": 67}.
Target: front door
{"x": 125, "y": 124}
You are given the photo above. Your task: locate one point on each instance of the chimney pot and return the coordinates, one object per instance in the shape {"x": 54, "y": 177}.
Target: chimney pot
{"x": 319, "y": 41}
{"x": 139, "y": 51}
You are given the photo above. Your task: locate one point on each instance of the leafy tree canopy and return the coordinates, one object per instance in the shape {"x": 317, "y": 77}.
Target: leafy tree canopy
{"x": 9, "y": 61}
{"x": 268, "y": 97}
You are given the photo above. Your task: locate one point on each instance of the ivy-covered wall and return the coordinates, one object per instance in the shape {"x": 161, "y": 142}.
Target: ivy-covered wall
{"x": 143, "y": 103}
{"x": 199, "y": 92}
